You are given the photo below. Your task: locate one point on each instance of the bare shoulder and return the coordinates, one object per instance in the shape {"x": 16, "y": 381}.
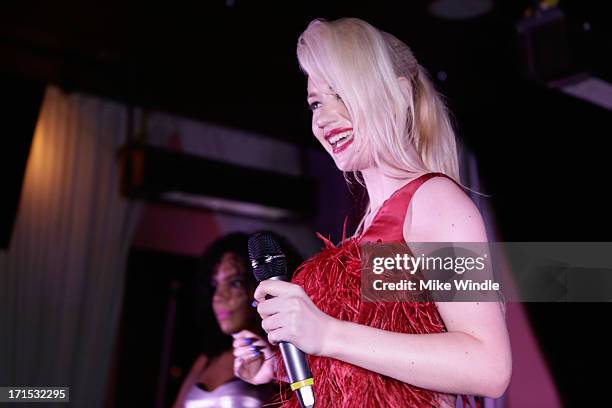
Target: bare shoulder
{"x": 441, "y": 211}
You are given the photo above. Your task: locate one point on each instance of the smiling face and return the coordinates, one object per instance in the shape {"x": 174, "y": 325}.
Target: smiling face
{"x": 333, "y": 127}
{"x": 232, "y": 295}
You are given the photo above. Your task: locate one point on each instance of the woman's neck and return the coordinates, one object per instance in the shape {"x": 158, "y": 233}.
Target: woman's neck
{"x": 380, "y": 186}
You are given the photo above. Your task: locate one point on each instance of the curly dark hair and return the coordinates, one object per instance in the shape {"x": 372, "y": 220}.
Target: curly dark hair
{"x": 210, "y": 337}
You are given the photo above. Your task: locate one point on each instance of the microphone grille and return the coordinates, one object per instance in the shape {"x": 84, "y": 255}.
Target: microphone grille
{"x": 267, "y": 258}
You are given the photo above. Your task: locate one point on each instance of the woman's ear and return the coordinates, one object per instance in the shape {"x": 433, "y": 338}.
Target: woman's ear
{"x": 405, "y": 87}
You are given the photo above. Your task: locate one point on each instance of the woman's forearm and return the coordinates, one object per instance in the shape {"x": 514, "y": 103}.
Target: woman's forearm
{"x": 452, "y": 362}
{"x": 473, "y": 357}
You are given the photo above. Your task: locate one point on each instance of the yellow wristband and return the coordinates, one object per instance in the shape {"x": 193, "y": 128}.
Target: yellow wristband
{"x": 300, "y": 384}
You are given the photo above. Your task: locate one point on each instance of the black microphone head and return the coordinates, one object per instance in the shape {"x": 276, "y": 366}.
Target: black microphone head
{"x": 267, "y": 258}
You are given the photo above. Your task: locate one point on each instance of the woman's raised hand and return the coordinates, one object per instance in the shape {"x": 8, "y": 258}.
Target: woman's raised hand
{"x": 254, "y": 358}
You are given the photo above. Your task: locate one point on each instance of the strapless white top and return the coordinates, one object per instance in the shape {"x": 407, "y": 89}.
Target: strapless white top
{"x": 232, "y": 394}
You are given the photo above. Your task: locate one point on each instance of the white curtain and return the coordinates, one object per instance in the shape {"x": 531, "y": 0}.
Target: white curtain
{"x": 61, "y": 279}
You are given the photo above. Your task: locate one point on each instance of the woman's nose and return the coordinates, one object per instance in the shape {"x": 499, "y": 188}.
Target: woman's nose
{"x": 221, "y": 293}
{"x": 324, "y": 118}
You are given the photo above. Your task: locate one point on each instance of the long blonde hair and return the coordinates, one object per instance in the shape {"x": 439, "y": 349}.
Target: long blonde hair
{"x": 408, "y": 136}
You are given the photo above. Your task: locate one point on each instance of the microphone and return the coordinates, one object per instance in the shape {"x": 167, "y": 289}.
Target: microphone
{"x": 268, "y": 262}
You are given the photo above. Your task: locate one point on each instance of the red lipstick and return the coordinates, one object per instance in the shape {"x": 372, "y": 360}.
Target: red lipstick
{"x": 344, "y": 144}
{"x": 334, "y": 132}
{"x": 343, "y": 147}
{"x": 223, "y": 314}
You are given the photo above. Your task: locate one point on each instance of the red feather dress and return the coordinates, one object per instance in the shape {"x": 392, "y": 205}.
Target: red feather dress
{"x": 340, "y": 384}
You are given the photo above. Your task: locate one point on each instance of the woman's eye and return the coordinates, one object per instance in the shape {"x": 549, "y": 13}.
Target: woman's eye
{"x": 314, "y": 105}
{"x": 237, "y": 283}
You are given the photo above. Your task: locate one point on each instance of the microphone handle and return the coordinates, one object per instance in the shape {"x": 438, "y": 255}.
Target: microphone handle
{"x": 294, "y": 359}
{"x": 296, "y": 367}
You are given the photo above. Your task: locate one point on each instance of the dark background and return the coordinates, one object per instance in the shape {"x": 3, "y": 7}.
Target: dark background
{"x": 540, "y": 152}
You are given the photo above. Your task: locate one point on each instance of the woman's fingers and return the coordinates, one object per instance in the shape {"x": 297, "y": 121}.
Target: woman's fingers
{"x": 248, "y": 346}
{"x": 278, "y": 335}
{"x": 251, "y": 354}
{"x": 246, "y": 352}
{"x": 246, "y": 338}
{"x": 245, "y": 341}
{"x": 271, "y": 306}
{"x": 272, "y": 323}
{"x": 275, "y": 288}
{"x": 243, "y": 334}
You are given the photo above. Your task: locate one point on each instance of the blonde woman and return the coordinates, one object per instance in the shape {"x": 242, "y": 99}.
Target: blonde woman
{"x": 377, "y": 114}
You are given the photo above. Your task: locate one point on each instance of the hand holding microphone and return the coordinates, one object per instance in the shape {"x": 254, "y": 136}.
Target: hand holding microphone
{"x": 289, "y": 316}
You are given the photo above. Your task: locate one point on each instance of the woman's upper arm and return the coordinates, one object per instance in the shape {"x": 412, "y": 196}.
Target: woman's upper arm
{"x": 442, "y": 212}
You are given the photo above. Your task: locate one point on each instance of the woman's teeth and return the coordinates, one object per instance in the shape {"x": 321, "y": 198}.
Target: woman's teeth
{"x": 337, "y": 139}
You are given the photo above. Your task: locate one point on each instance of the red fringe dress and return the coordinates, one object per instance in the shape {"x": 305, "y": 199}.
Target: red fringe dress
{"x": 340, "y": 384}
